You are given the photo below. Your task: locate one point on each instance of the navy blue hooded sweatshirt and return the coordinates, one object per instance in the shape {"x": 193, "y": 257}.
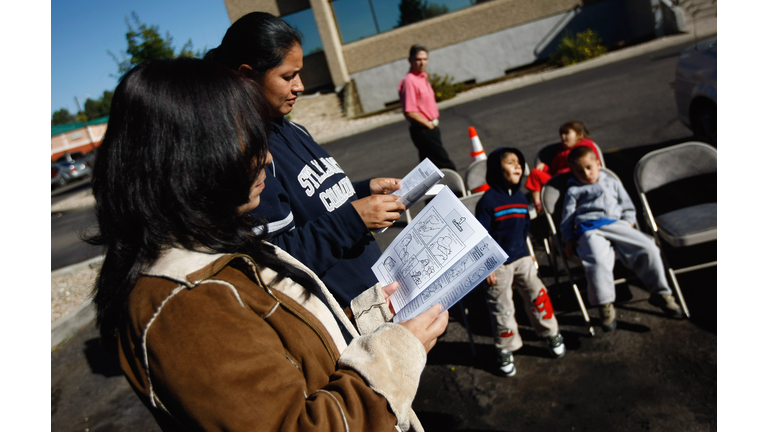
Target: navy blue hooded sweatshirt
{"x": 503, "y": 210}
{"x": 307, "y": 204}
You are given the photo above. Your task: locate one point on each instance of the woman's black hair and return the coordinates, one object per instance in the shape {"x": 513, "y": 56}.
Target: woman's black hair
{"x": 259, "y": 40}
{"x": 185, "y": 142}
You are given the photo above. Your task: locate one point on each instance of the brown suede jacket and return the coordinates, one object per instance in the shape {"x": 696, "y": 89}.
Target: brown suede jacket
{"x": 212, "y": 344}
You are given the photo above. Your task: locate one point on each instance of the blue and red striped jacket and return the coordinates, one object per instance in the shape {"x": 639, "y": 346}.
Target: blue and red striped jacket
{"x": 503, "y": 209}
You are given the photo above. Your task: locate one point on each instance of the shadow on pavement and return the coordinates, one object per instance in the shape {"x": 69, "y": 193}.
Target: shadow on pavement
{"x": 100, "y": 361}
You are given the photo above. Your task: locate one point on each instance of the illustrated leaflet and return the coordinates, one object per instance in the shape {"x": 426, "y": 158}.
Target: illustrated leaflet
{"x": 438, "y": 258}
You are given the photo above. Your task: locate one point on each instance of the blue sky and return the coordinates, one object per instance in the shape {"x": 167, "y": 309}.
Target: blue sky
{"x": 82, "y": 31}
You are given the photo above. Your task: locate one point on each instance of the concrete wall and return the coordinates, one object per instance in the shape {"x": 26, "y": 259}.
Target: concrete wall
{"x": 449, "y": 29}
{"x": 238, "y": 8}
{"x": 488, "y": 57}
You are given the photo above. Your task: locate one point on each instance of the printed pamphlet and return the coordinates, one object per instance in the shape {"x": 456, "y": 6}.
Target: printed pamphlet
{"x": 438, "y": 258}
{"x": 416, "y": 184}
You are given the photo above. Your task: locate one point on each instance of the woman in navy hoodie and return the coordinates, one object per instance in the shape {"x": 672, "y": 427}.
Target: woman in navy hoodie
{"x": 314, "y": 212}
{"x": 503, "y": 211}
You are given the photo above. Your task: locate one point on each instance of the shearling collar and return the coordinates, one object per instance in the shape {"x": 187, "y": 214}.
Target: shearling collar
{"x": 184, "y": 266}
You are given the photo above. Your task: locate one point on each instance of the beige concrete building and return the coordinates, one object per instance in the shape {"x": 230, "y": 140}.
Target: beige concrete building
{"x": 474, "y": 43}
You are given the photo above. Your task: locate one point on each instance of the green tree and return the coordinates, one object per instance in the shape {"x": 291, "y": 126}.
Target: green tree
{"x": 98, "y": 108}
{"x": 412, "y": 11}
{"x": 574, "y": 49}
{"x": 62, "y": 116}
{"x": 433, "y": 9}
{"x": 145, "y": 43}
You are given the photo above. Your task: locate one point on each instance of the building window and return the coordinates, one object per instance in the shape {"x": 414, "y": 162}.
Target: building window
{"x": 358, "y": 19}
{"x": 304, "y": 22}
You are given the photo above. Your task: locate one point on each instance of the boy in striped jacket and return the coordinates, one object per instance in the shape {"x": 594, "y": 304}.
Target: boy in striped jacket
{"x": 503, "y": 211}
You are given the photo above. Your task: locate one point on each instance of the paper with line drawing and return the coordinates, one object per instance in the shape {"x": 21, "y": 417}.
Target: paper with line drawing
{"x": 438, "y": 258}
{"x": 416, "y": 184}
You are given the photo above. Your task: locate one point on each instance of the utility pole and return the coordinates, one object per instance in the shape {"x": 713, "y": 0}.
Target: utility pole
{"x": 85, "y": 121}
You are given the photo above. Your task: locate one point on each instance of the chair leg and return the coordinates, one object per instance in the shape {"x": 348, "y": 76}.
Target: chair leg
{"x": 672, "y": 276}
{"x": 552, "y": 260}
{"x": 532, "y": 252}
{"x": 679, "y": 292}
{"x": 583, "y": 307}
{"x": 466, "y": 326}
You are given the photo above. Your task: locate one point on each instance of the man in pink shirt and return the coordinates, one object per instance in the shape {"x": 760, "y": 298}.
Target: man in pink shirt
{"x": 418, "y": 101}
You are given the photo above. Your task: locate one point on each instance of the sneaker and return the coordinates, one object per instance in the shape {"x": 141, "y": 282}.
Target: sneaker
{"x": 506, "y": 363}
{"x": 607, "y": 317}
{"x": 556, "y": 345}
{"x": 667, "y": 303}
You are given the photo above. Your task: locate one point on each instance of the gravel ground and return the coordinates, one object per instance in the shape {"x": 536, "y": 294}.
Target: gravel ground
{"x": 68, "y": 291}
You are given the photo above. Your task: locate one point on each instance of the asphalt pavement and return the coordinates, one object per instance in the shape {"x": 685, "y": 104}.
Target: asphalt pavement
{"x": 652, "y": 373}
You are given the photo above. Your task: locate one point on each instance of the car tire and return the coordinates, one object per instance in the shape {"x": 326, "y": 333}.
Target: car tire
{"x": 704, "y": 124}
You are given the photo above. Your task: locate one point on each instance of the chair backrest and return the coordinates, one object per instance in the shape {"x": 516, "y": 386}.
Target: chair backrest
{"x": 546, "y": 153}
{"x": 554, "y": 190}
{"x": 474, "y": 177}
{"x": 678, "y": 162}
{"x": 453, "y": 180}
{"x": 470, "y": 201}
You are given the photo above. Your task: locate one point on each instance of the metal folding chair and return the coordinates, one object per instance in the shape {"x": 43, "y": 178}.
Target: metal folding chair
{"x": 686, "y": 226}
{"x": 546, "y": 153}
{"x": 552, "y": 201}
{"x": 452, "y": 180}
{"x": 474, "y": 177}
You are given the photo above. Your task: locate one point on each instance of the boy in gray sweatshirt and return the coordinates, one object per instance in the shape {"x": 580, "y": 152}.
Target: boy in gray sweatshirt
{"x": 598, "y": 219}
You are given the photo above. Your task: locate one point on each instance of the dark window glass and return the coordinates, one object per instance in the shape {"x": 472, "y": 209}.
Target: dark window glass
{"x": 362, "y": 18}
{"x": 304, "y": 22}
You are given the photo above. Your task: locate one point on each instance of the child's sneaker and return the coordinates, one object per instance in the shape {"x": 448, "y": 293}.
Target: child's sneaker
{"x": 607, "y": 317}
{"x": 506, "y": 363}
{"x": 556, "y": 345}
{"x": 667, "y": 304}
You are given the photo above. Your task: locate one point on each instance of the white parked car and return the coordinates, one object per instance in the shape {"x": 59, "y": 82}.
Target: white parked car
{"x": 696, "y": 89}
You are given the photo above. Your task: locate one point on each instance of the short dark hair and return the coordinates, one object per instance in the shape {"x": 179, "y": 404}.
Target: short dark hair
{"x": 186, "y": 140}
{"x": 576, "y": 126}
{"x": 579, "y": 152}
{"x": 258, "y": 39}
{"x": 416, "y": 49}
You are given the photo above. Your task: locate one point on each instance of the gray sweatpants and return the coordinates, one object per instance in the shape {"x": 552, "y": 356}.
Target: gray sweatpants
{"x": 520, "y": 275}
{"x": 636, "y": 250}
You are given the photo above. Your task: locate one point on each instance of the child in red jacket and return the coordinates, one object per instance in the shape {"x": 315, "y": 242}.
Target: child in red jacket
{"x": 572, "y": 134}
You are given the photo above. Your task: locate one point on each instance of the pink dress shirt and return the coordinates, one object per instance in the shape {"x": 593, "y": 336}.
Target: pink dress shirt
{"x": 416, "y": 95}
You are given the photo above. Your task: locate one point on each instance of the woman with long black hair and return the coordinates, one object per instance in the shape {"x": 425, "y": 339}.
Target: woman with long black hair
{"x": 215, "y": 328}
{"x": 316, "y": 214}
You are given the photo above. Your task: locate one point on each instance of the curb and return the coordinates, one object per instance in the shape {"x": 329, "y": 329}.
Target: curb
{"x": 612, "y": 57}
{"x": 68, "y": 325}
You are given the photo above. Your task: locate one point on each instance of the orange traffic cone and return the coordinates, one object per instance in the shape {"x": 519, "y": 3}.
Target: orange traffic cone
{"x": 476, "y": 171}
{"x": 477, "y": 152}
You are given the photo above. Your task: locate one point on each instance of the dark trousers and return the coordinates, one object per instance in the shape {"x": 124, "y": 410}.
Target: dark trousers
{"x": 429, "y": 144}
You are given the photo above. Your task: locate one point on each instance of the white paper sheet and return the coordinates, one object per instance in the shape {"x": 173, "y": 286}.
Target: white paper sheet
{"x": 438, "y": 258}
{"x": 416, "y": 184}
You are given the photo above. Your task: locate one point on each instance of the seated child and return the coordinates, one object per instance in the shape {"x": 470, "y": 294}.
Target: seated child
{"x": 572, "y": 134}
{"x": 598, "y": 218}
{"x": 503, "y": 211}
